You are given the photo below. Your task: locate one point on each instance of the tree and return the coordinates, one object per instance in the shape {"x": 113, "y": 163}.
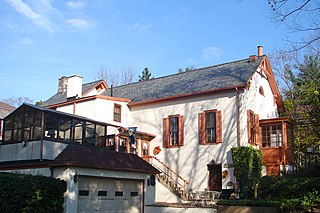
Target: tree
{"x": 146, "y": 75}
{"x": 302, "y": 102}
{"x": 187, "y": 69}
{"x": 300, "y": 17}
{"x": 17, "y": 101}
{"x": 115, "y": 77}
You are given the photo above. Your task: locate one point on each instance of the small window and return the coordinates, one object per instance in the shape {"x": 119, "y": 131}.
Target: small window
{"x": 210, "y": 127}
{"x": 134, "y": 194}
{"x": 118, "y": 193}
{"x": 261, "y": 91}
{"x": 173, "y": 131}
{"x": 102, "y": 193}
{"x": 117, "y": 113}
{"x": 83, "y": 192}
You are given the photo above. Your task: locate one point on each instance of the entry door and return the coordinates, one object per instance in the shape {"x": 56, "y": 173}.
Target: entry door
{"x": 215, "y": 177}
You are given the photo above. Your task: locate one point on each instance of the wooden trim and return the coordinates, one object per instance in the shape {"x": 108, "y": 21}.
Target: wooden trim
{"x": 183, "y": 96}
{"x": 102, "y": 82}
{"x": 272, "y": 82}
{"x": 181, "y": 130}
{"x": 88, "y": 98}
{"x": 218, "y": 127}
{"x": 201, "y": 128}
{"x": 166, "y": 131}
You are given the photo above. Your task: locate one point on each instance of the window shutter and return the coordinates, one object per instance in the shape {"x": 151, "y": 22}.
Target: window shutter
{"x": 219, "y": 127}
{"x": 181, "y": 130}
{"x": 248, "y": 126}
{"x": 166, "y": 133}
{"x": 202, "y": 128}
{"x": 257, "y": 129}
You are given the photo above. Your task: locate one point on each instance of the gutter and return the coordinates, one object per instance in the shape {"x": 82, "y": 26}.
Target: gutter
{"x": 238, "y": 117}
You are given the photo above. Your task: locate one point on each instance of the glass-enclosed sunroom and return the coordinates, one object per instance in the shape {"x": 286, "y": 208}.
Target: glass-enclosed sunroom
{"x": 30, "y": 123}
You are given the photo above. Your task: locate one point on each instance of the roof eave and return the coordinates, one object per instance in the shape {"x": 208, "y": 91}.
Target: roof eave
{"x": 186, "y": 95}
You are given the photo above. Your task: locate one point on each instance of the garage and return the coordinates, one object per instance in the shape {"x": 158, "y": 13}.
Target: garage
{"x": 109, "y": 195}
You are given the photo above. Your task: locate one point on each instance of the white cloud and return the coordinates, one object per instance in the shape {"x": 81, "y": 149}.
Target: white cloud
{"x": 211, "y": 52}
{"x": 78, "y": 23}
{"x": 139, "y": 26}
{"x": 26, "y": 42}
{"x": 37, "y": 18}
{"x": 75, "y": 5}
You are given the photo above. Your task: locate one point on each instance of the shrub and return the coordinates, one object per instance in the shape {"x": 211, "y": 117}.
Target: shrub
{"x": 293, "y": 193}
{"x": 27, "y": 193}
{"x": 248, "y": 165}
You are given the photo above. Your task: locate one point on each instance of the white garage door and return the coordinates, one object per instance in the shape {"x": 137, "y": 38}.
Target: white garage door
{"x": 109, "y": 195}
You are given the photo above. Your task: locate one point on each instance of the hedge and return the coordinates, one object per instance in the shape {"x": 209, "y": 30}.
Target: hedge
{"x": 28, "y": 193}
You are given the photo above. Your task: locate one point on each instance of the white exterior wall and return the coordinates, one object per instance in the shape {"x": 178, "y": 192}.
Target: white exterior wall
{"x": 99, "y": 110}
{"x": 190, "y": 161}
{"x": 252, "y": 100}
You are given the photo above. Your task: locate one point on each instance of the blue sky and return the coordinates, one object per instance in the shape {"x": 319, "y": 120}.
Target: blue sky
{"x": 42, "y": 40}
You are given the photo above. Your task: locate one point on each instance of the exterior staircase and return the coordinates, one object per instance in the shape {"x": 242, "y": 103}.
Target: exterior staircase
{"x": 169, "y": 178}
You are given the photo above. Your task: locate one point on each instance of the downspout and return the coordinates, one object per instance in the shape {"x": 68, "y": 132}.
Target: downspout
{"x": 42, "y": 135}
{"x": 74, "y": 107}
{"x": 238, "y": 117}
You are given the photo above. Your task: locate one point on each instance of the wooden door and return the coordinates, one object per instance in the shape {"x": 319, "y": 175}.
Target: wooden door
{"x": 215, "y": 177}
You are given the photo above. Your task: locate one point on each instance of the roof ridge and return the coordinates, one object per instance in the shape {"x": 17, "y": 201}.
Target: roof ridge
{"x": 174, "y": 74}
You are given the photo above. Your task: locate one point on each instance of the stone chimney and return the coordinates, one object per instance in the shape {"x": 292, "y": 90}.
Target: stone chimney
{"x": 63, "y": 84}
{"x": 74, "y": 89}
{"x": 260, "y": 51}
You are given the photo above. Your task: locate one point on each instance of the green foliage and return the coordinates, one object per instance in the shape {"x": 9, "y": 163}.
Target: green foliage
{"x": 302, "y": 102}
{"x": 247, "y": 202}
{"x": 248, "y": 165}
{"x": 292, "y": 192}
{"x": 187, "y": 69}
{"x": 146, "y": 75}
{"x": 27, "y": 193}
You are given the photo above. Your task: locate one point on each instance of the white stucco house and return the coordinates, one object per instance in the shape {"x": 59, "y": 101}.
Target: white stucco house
{"x": 186, "y": 125}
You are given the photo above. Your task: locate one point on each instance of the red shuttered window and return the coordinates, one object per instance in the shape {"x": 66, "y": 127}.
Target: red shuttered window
{"x": 173, "y": 133}
{"x": 210, "y": 127}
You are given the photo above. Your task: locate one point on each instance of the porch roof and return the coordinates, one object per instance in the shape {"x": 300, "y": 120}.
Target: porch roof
{"x": 99, "y": 158}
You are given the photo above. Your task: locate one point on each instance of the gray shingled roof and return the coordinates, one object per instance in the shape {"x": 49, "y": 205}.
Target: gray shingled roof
{"x": 209, "y": 78}
{"x": 216, "y": 77}
{"x": 62, "y": 97}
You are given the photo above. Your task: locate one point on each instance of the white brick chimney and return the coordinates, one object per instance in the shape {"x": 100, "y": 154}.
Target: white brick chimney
{"x": 74, "y": 88}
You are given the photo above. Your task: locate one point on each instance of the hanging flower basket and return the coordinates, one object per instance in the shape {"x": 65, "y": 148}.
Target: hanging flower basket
{"x": 156, "y": 150}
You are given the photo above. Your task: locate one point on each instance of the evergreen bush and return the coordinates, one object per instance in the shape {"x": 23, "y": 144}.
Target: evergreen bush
{"x": 28, "y": 193}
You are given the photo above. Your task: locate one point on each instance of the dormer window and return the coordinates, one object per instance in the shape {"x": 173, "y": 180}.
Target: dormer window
{"x": 261, "y": 91}
{"x": 99, "y": 88}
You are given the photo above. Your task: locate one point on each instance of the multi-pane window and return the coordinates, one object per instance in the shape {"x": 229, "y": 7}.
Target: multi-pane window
{"x": 117, "y": 113}
{"x": 272, "y": 136}
{"x": 29, "y": 123}
{"x": 210, "y": 127}
{"x": 173, "y": 131}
